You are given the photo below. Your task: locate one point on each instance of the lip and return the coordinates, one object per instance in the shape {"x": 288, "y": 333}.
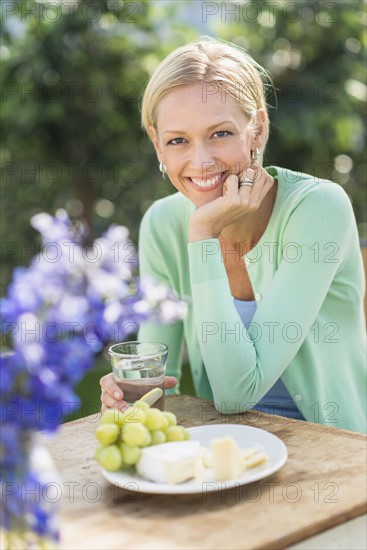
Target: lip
{"x": 206, "y": 189}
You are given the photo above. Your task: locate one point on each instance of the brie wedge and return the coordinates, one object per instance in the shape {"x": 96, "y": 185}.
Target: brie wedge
{"x": 173, "y": 462}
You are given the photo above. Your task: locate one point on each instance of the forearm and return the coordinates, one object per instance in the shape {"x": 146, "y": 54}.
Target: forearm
{"x": 242, "y": 365}
{"x": 228, "y": 351}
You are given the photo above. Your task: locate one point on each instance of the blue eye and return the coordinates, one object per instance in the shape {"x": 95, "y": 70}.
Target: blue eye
{"x": 172, "y": 141}
{"x": 223, "y": 132}
{"x": 180, "y": 140}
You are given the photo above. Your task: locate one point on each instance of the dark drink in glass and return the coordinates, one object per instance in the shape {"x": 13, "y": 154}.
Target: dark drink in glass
{"x": 138, "y": 367}
{"x": 134, "y": 390}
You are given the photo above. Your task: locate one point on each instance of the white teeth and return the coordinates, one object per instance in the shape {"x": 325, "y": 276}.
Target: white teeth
{"x": 206, "y": 183}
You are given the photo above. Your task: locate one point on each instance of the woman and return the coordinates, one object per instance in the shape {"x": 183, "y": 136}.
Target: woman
{"x": 269, "y": 257}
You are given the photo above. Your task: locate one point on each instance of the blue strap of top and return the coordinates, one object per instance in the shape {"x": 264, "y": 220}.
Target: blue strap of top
{"x": 277, "y": 400}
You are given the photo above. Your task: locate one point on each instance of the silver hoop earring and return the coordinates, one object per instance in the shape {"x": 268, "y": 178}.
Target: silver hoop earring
{"x": 255, "y": 155}
{"x": 163, "y": 169}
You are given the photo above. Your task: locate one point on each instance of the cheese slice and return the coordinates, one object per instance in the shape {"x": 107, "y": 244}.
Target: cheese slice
{"x": 207, "y": 459}
{"x": 247, "y": 453}
{"x": 250, "y": 456}
{"x": 255, "y": 460}
{"x": 228, "y": 463}
{"x": 173, "y": 462}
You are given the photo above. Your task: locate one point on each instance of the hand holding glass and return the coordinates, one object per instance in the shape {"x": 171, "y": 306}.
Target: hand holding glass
{"x": 138, "y": 367}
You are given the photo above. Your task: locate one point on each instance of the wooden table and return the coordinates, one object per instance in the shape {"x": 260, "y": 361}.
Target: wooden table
{"x": 322, "y": 485}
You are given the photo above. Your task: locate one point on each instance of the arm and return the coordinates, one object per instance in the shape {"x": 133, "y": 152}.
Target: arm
{"x": 152, "y": 263}
{"x": 241, "y": 370}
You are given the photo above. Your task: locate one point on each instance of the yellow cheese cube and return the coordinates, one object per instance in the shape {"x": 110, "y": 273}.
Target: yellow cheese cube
{"x": 228, "y": 462}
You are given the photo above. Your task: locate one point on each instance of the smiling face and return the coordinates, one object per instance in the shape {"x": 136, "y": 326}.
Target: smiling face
{"x": 202, "y": 139}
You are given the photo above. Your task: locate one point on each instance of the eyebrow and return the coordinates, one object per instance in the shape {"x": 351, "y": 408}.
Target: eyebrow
{"x": 209, "y": 128}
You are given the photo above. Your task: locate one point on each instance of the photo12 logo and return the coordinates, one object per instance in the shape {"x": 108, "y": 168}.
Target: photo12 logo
{"x": 267, "y": 12}
{"x": 272, "y": 491}
{"x": 52, "y": 11}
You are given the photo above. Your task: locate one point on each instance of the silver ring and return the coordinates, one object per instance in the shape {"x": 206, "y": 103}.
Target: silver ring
{"x": 246, "y": 182}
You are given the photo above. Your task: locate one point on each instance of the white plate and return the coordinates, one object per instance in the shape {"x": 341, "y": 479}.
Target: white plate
{"x": 245, "y": 436}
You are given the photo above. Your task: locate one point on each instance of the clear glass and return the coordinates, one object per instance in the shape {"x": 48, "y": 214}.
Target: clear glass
{"x": 138, "y": 367}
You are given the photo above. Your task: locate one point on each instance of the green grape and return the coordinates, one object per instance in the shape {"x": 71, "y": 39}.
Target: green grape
{"x": 107, "y": 433}
{"x": 139, "y": 414}
{"x": 110, "y": 458}
{"x": 175, "y": 433}
{"x": 158, "y": 437}
{"x": 148, "y": 439}
{"x": 165, "y": 423}
{"x": 130, "y": 455}
{"x": 122, "y": 433}
{"x": 135, "y": 434}
{"x": 133, "y": 415}
{"x": 112, "y": 416}
{"x": 154, "y": 419}
{"x": 142, "y": 405}
{"x": 170, "y": 417}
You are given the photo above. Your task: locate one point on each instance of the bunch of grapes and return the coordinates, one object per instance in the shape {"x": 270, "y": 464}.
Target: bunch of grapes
{"x": 122, "y": 435}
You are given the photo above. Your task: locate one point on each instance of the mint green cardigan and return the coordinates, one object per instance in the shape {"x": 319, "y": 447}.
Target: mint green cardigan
{"x": 309, "y": 328}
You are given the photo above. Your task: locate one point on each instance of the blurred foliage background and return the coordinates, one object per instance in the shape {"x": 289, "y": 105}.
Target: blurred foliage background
{"x": 72, "y": 78}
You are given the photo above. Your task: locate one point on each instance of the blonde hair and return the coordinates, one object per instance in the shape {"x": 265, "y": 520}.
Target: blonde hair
{"x": 222, "y": 65}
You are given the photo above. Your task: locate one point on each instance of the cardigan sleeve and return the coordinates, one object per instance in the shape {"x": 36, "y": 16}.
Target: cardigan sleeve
{"x": 152, "y": 263}
{"x": 242, "y": 365}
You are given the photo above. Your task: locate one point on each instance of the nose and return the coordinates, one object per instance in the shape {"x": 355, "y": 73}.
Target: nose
{"x": 202, "y": 162}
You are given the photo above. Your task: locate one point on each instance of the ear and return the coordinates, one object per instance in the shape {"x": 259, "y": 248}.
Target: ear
{"x": 258, "y": 138}
{"x": 154, "y": 137}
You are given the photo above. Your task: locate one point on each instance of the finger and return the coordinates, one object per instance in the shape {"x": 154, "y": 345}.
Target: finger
{"x": 260, "y": 189}
{"x": 170, "y": 382}
{"x": 244, "y": 172}
{"x": 111, "y": 403}
{"x": 230, "y": 186}
{"x": 108, "y": 384}
{"x": 269, "y": 183}
{"x": 246, "y": 184}
{"x": 258, "y": 172}
{"x": 266, "y": 182}
{"x": 261, "y": 176}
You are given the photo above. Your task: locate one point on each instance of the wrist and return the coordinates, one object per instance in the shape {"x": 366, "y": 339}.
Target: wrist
{"x": 199, "y": 233}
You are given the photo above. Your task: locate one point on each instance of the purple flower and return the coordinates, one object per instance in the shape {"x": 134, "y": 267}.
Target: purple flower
{"x": 58, "y": 313}
{"x": 54, "y": 229}
{"x": 9, "y": 447}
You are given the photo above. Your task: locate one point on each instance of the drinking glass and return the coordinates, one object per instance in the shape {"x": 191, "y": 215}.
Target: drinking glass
{"x": 138, "y": 367}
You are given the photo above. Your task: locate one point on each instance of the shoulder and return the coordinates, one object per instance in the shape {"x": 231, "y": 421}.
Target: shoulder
{"x": 166, "y": 220}
{"x": 310, "y": 209}
{"x": 167, "y": 210}
{"x": 300, "y": 192}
